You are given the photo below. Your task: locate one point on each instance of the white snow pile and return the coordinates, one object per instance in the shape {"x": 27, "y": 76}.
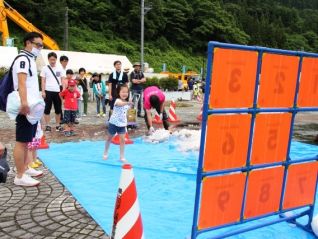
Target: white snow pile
{"x": 187, "y": 140}
{"x": 158, "y": 136}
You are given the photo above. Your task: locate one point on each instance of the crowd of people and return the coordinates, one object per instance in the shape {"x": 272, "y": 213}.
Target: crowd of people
{"x": 68, "y": 94}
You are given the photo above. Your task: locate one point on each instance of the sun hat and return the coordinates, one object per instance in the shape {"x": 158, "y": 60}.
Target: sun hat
{"x": 136, "y": 64}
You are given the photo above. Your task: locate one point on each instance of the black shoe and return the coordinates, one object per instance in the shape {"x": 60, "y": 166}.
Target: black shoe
{"x": 59, "y": 129}
{"x": 140, "y": 116}
{"x": 76, "y": 121}
{"x": 48, "y": 128}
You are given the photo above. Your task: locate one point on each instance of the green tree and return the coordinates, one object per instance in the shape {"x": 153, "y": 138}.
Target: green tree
{"x": 212, "y": 22}
{"x": 177, "y": 14}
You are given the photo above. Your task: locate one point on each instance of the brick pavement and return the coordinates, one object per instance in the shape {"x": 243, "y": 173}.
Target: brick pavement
{"x": 47, "y": 211}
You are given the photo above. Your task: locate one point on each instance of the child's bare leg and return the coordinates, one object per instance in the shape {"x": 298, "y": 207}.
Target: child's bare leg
{"x": 34, "y": 154}
{"x": 107, "y": 144}
{"x": 67, "y": 127}
{"x": 29, "y": 158}
{"x": 122, "y": 148}
{"x": 72, "y": 128}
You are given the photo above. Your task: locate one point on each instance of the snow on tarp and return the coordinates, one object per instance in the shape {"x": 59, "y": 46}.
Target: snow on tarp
{"x": 92, "y": 62}
{"x": 7, "y": 55}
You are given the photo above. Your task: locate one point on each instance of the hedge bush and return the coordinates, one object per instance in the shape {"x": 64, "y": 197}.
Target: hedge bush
{"x": 163, "y": 83}
{"x": 154, "y": 81}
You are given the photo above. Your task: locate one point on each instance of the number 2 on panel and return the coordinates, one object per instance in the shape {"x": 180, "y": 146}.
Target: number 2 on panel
{"x": 280, "y": 78}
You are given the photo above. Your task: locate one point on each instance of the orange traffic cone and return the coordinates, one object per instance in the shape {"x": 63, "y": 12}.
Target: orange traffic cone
{"x": 116, "y": 139}
{"x": 199, "y": 117}
{"x": 156, "y": 119}
{"x": 172, "y": 113}
{"x": 43, "y": 143}
{"x": 127, "y": 217}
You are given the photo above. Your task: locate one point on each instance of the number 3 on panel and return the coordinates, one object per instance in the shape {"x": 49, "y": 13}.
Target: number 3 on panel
{"x": 234, "y": 85}
{"x": 280, "y": 78}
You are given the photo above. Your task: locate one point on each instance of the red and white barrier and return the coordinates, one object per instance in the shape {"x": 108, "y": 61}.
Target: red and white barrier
{"x": 199, "y": 117}
{"x": 127, "y": 218}
{"x": 172, "y": 117}
{"x": 156, "y": 119}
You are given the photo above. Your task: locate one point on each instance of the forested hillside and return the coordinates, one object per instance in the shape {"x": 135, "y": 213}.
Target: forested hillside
{"x": 176, "y": 31}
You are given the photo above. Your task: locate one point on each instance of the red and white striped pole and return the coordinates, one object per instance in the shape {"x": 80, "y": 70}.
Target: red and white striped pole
{"x": 156, "y": 119}
{"x": 127, "y": 218}
{"x": 199, "y": 117}
{"x": 172, "y": 112}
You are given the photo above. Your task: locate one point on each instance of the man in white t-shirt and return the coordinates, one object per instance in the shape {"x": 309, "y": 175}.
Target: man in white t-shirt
{"x": 25, "y": 80}
{"x": 64, "y": 62}
{"x": 52, "y": 77}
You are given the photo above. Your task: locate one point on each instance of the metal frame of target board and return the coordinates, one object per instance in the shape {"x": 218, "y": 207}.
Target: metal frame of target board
{"x": 245, "y": 172}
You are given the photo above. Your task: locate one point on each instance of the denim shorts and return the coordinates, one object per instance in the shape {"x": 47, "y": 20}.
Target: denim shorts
{"x": 113, "y": 129}
{"x": 69, "y": 116}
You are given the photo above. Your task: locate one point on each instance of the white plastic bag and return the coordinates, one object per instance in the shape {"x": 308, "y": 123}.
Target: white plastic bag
{"x": 36, "y": 105}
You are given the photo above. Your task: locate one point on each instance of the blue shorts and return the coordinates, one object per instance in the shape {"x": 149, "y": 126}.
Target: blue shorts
{"x": 69, "y": 116}
{"x": 113, "y": 129}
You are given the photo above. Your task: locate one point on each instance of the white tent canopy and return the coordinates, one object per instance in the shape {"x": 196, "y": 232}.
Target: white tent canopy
{"x": 92, "y": 62}
{"x": 7, "y": 55}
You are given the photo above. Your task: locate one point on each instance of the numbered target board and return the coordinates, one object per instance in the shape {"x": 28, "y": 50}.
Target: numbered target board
{"x": 245, "y": 169}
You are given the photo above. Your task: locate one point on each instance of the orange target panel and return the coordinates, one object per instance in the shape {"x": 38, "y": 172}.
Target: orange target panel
{"x": 233, "y": 78}
{"x": 271, "y": 137}
{"x": 301, "y": 185}
{"x": 226, "y": 141}
{"x": 308, "y": 88}
{"x": 263, "y": 191}
{"x": 221, "y": 200}
{"x": 278, "y": 80}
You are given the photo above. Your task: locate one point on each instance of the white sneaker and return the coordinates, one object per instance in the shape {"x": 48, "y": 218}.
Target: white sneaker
{"x": 84, "y": 115}
{"x": 25, "y": 181}
{"x": 33, "y": 173}
{"x": 104, "y": 115}
{"x": 97, "y": 115}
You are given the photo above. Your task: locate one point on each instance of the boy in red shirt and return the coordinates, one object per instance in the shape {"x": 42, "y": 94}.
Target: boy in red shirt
{"x": 70, "y": 96}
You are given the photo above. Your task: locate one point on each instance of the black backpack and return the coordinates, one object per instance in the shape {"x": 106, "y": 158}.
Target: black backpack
{"x": 4, "y": 167}
{"x": 6, "y": 84}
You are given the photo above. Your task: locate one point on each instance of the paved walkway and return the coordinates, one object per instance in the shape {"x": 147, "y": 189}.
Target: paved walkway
{"x": 50, "y": 211}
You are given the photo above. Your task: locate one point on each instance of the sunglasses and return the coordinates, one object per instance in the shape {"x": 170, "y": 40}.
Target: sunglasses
{"x": 38, "y": 45}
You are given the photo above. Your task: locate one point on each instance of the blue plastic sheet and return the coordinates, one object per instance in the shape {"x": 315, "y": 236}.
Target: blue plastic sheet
{"x": 165, "y": 179}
